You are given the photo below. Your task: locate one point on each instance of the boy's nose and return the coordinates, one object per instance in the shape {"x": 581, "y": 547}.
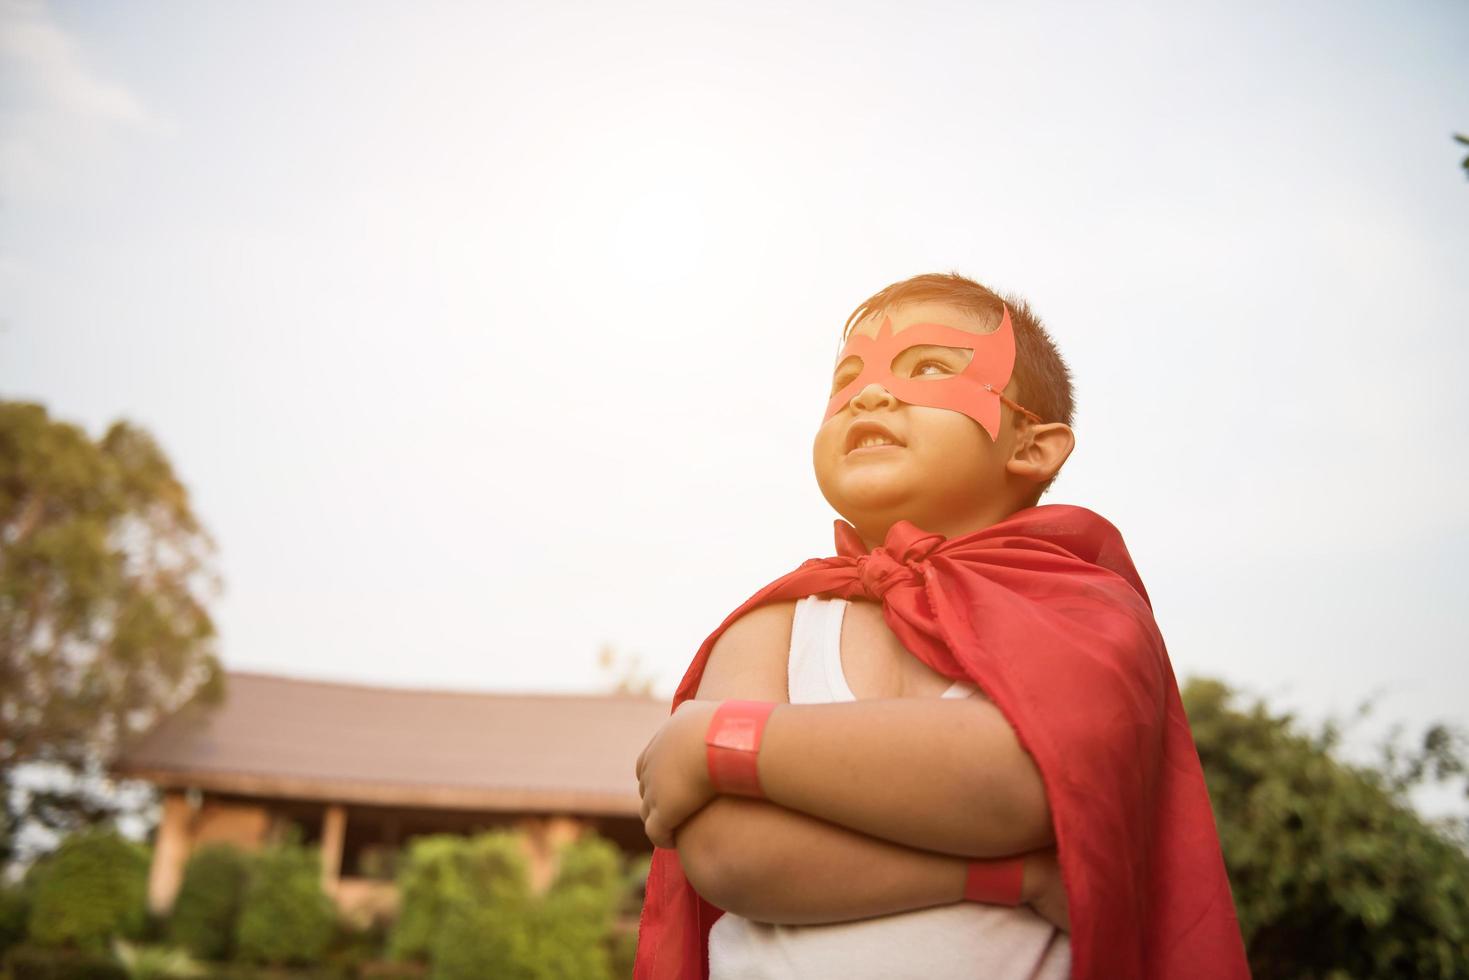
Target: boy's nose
{"x": 871, "y": 397}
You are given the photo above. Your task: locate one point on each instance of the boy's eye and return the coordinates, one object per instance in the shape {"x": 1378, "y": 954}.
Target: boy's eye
{"x": 846, "y": 373}
{"x": 931, "y": 361}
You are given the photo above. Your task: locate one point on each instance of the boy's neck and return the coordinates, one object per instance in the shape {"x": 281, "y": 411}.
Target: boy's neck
{"x": 874, "y": 531}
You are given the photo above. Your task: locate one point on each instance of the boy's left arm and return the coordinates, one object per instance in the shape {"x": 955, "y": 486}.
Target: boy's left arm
{"x": 942, "y": 774}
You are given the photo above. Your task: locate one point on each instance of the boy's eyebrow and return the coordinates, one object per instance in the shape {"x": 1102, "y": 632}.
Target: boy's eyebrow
{"x": 898, "y": 331}
{"x": 945, "y": 348}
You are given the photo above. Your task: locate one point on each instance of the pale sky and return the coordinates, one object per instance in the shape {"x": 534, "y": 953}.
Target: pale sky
{"x": 484, "y": 335}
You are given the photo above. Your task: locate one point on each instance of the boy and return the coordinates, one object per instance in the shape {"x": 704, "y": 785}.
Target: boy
{"x": 1003, "y": 689}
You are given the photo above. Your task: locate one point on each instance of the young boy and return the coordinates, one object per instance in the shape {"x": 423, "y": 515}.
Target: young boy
{"x": 870, "y": 761}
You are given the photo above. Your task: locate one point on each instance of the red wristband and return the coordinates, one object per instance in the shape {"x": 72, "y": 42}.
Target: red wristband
{"x": 733, "y": 746}
{"x": 995, "y": 882}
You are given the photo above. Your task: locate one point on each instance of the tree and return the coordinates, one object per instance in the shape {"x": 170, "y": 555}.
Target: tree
{"x": 1465, "y": 141}
{"x": 1334, "y": 873}
{"x": 104, "y": 573}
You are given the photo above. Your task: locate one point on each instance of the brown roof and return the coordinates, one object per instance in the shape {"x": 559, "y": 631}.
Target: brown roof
{"x": 283, "y": 737}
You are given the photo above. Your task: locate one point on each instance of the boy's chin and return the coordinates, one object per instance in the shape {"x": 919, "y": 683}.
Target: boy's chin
{"x": 874, "y": 511}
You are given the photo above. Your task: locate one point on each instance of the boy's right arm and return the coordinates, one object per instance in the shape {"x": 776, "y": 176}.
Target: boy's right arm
{"x": 771, "y": 864}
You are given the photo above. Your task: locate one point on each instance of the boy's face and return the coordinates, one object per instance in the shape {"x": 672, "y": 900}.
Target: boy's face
{"x": 879, "y": 459}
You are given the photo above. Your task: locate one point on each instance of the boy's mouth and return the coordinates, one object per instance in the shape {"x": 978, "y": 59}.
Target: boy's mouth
{"x": 867, "y": 434}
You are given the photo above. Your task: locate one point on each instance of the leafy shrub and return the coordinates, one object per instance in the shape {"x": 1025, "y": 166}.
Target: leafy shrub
{"x": 285, "y": 917}
{"x": 246, "y": 971}
{"x": 155, "y": 962}
{"x": 208, "y": 905}
{"x": 392, "y": 971}
{"x": 37, "y": 963}
{"x": 483, "y": 931}
{"x": 14, "y": 908}
{"x": 635, "y": 884}
{"x": 494, "y": 926}
{"x": 358, "y": 952}
{"x": 624, "y": 953}
{"x": 572, "y": 927}
{"x": 90, "y": 890}
{"x": 430, "y": 878}
{"x": 1334, "y": 874}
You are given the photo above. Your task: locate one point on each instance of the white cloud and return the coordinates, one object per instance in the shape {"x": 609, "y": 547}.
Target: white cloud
{"x": 60, "y": 115}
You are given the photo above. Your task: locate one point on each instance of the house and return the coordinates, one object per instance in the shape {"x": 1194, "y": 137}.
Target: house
{"x": 360, "y": 771}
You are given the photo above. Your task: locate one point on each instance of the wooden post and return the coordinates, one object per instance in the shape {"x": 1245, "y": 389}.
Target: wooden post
{"x": 333, "y": 835}
{"x": 170, "y": 851}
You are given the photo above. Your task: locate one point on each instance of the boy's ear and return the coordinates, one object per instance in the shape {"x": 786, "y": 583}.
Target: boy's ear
{"x": 1040, "y": 450}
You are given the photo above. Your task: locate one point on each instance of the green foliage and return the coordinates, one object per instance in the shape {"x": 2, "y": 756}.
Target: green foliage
{"x": 35, "y": 963}
{"x": 624, "y": 942}
{"x": 571, "y": 927}
{"x": 358, "y": 952}
{"x": 1334, "y": 874}
{"x": 624, "y": 953}
{"x": 93, "y": 888}
{"x": 207, "y": 909}
{"x": 429, "y": 879}
{"x": 392, "y": 971}
{"x": 634, "y": 885}
{"x": 285, "y": 917}
{"x": 246, "y": 971}
{"x": 15, "y": 908}
{"x": 484, "y": 930}
{"x": 467, "y": 906}
{"x": 103, "y": 573}
{"x": 155, "y": 962}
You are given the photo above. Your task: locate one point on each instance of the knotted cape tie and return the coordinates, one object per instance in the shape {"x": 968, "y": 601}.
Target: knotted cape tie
{"x": 899, "y": 560}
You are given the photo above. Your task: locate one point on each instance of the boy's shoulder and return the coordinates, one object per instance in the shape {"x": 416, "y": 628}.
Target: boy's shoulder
{"x": 756, "y": 628}
{"x": 749, "y": 658}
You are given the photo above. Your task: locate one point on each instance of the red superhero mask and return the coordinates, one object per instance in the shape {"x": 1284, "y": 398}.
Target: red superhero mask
{"x": 974, "y": 392}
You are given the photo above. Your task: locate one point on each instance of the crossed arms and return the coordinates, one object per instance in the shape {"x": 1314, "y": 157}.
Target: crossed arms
{"x": 872, "y": 807}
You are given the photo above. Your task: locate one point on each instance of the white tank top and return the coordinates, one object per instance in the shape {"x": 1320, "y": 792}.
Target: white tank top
{"x": 965, "y": 939}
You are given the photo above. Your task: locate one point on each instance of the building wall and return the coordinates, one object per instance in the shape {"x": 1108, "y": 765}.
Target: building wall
{"x": 246, "y": 825}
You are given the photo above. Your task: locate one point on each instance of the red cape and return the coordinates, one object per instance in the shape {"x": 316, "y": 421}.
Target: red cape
{"x": 1046, "y": 613}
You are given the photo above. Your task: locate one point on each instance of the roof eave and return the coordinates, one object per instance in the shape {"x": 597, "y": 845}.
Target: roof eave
{"x": 507, "y": 799}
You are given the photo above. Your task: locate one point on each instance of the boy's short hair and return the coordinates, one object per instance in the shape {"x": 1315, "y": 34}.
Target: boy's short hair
{"x": 1040, "y": 373}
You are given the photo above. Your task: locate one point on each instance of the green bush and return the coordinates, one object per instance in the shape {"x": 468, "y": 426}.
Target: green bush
{"x": 572, "y": 927}
{"x": 156, "y": 962}
{"x": 245, "y": 971}
{"x": 207, "y": 909}
{"x": 493, "y": 926}
{"x": 482, "y": 931}
{"x": 466, "y": 906}
{"x": 392, "y": 971}
{"x": 15, "y": 907}
{"x": 285, "y": 917}
{"x": 90, "y": 890}
{"x": 429, "y": 878}
{"x": 37, "y": 963}
{"x": 624, "y": 953}
{"x": 634, "y": 885}
{"x": 1334, "y": 873}
{"x": 356, "y": 952}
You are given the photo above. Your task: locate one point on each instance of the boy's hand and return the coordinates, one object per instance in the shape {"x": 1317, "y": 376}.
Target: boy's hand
{"x": 673, "y": 771}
